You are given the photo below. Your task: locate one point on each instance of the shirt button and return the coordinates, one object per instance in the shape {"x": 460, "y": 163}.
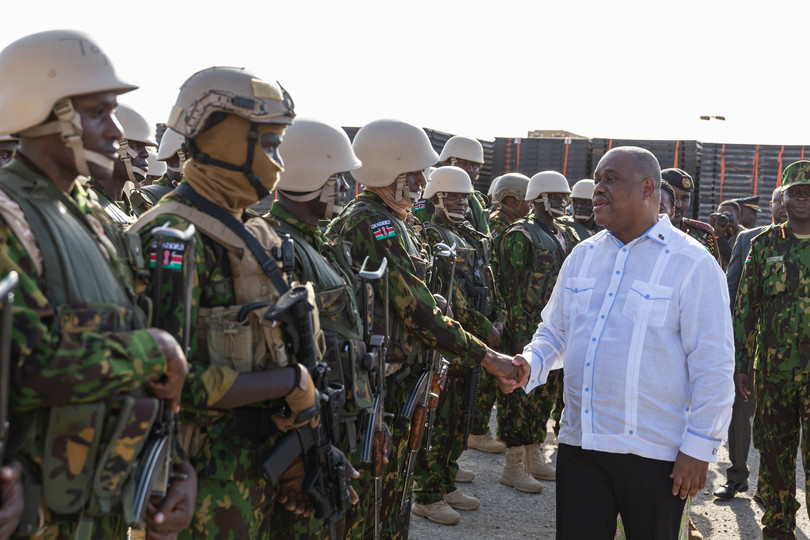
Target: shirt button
{"x": 586, "y": 411}
{"x": 587, "y": 364}
{"x": 624, "y": 249}
{"x": 646, "y": 296}
{"x": 586, "y": 388}
{"x": 617, "y": 272}
{"x": 593, "y": 339}
{"x": 631, "y": 432}
{"x": 602, "y": 317}
{"x": 610, "y": 294}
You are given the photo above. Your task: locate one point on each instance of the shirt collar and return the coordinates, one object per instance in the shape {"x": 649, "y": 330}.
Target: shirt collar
{"x": 661, "y": 232}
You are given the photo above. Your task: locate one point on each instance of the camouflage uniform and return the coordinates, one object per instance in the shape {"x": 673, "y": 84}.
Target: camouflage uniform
{"x": 531, "y": 255}
{"x": 226, "y": 447}
{"x": 329, "y": 270}
{"x": 772, "y": 325}
{"x": 476, "y": 310}
{"x": 581, "y": 230}
{"x": 78, "y": 342}
{"x": 118, "y": 211}
{"x": 702, "y": 232}
{"x": 416, "y": 322}
{"x": 424, "y": 211}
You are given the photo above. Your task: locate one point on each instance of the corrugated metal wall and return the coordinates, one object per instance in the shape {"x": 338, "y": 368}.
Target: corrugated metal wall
{"x": 571, "y": 157}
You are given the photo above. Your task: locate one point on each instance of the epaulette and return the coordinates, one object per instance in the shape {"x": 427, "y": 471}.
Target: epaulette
{"x": 701, "y": 226}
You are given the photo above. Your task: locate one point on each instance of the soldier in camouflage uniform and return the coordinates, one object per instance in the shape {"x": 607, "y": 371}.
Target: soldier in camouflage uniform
{"x": 233, "y": 123}
{"x": 478, "y": 307}
{"x": 172, "y": 154}
{"x": 467, "y": 154}
{"x": 130, "y": 166}
{"x": 86, "y": 380}
{"x": 683, "y": 186}
{"x": 312, "y": 188}
{"x": 772, "y": 326}
{"x": 509, "y": 194}
{"x": 582, "y": 220}
{"x": 394, "y": 154}
{"x": 532, "y": 252}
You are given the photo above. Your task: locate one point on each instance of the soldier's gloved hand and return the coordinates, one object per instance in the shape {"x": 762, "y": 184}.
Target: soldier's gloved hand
{"x": 301, "y": 400}
{"x": 166, "y": 518}
{"x": 291, "y": 491}
{"x": 170, "y": 386}
{"x": 11, "y": 498}
{"x": 353, "y": 496}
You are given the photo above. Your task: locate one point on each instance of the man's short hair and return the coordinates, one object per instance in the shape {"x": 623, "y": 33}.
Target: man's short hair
{"x": 644, "y": 161}
{"x": 666, "y": 190}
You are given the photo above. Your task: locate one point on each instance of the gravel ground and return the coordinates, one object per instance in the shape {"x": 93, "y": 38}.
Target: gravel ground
{"x": 506, "y": 513}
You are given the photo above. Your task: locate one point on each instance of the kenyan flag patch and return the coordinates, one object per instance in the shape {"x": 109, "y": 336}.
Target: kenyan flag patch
{"x": 420, "y": 205}
{"x": 383, "y": 229}
{"x": 172, "y": 255}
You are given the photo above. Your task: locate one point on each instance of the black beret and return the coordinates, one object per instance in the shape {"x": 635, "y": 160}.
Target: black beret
{"x": 750, "y": 202}
{"x": 678, "y": 178}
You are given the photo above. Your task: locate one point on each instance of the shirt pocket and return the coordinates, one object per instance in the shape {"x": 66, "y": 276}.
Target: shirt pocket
{"x": 578, "y": 293}
{"x": 776, "y": 279}
{"x": 647, "y": 303}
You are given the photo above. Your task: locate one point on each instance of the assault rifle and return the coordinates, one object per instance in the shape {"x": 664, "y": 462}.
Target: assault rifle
{"x": 422, "y": 413}
{"x": 6, "y": 299}
{"x": 372, "y": 450}
{"x": 327, "y": 480}
{"x": 155, "y": 472}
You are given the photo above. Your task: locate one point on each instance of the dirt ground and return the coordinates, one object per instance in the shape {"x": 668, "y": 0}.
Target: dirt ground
{"x": 506, "y": 513}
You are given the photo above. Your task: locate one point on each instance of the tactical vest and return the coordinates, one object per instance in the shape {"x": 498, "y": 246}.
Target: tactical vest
{"x": 400, "y": 348}
{"x": 79, "y": 459}
{"x": 113, "y": 211}
{"x": 339, "y": 316}
{"x": 547, "y": 259}
{"x": 144, "y": 198}
{"x": 472, "y": 265}
{"x": 234, "y": 336}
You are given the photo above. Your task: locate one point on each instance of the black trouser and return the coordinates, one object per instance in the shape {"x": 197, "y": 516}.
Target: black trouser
{"x": 594, "y": 487}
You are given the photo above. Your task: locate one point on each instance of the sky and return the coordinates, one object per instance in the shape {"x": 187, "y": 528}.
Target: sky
{"x": 621, "y": 69}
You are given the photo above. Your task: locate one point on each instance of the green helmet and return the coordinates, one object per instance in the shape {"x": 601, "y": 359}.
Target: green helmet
{"x": 796, "y": 174}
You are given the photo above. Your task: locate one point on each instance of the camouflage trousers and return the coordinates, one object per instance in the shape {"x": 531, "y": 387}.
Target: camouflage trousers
{"x": 522, "y": 417}
{"x": 782, "y": 411}
{"x": 488, "y": 394}
{"x": 436, "y": 474}
{"x": 103, "y": 529}
{"x": 233, "y": 499}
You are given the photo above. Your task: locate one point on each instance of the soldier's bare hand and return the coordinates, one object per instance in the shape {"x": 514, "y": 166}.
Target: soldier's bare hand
{"x": 173, "y": 514}
{"x": 688, "y": 475}
{"x": 291, "y": 492}
{"x": 500, "y": 365}
{"x": 11, "y": 494}
{"x": 494, "y": 337}
{"x": 170, "y": 386}
{"x": 742, "y": 385}
{"x": 508, "y": 386}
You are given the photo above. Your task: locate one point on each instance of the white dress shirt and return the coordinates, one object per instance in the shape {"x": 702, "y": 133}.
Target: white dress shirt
{"x": 644, "y": 333}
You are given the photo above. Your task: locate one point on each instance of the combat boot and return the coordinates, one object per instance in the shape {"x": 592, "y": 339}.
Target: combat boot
{"x": 459, "y": 501}
{"x": 538, "y": 466}
{"x": 438, "y": 512}
{"x": 485, "y": 443}
{"x": 464, "y": 476}
{"x": 515, "y": 473}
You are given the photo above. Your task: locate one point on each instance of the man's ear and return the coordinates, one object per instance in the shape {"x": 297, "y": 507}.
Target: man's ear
{"x": 648, "y": 189}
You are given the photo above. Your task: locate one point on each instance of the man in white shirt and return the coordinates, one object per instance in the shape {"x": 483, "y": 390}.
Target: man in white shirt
{"x": 639, "y": 320}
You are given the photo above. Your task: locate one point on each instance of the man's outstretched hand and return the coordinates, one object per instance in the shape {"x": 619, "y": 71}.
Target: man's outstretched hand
{"x": 511, "y": 372}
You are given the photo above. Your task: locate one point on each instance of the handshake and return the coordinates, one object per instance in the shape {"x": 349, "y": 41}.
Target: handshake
{"x": 511, "y": 372}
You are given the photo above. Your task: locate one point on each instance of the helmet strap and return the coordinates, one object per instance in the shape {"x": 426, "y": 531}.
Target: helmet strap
{"x": 550, "y": 209}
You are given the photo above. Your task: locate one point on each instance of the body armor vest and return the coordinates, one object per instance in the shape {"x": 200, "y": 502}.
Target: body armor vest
{"x": 472, "y": 263}
{"x": 79, "y": 458}
{"x": 340, "y": 321}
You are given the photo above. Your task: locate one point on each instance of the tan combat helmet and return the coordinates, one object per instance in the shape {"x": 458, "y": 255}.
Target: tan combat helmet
{"x": 315, "y": 155}
{"x": 583, "y": 190}
{"x": 511, "y": 184}
{"x": 464, "y": 148}
{"x": 446, "y": 180}
{"x": 136, "y": 129}
{"x": 388, "y": 150}
{"x": 234, "y": 91}
{"x": 543, "y": 183}
{"x": 170, "y": 145}
{"x": 47, "y": 69}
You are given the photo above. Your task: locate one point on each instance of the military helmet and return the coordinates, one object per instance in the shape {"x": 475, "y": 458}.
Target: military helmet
{"x": 796, "y": 174}
{"x": 511, "y": 184}
{"x": 230, "y": 90}
{"x": 135, "y": 126}
{"x": 493, "y": 186}
{"x": 583, "y": 189}
{"x": 313, "y": 152}
{"x": 171, "y": 144}
{"x": 390, "y": 148}
{"x": 156, "y": 167}
{"x": 546, "y": 182}
{"x": 8, "y": 138}
{"x": 448, "y": 179}
{"x": 47, "y": 69}
{"x": 463, "y": 148}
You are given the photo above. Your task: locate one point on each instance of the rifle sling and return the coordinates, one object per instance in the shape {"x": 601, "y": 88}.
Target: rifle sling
{"x": 268, "y": 264}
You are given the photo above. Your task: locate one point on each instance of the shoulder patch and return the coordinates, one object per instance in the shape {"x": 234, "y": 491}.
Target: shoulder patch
{"x": 699, "y": 225}
{"x": 420, "y": 205}
{"x": 383, "y": 229}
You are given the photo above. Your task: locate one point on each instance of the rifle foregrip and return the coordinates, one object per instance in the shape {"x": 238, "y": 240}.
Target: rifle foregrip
{"x": 378, "y": 454}
{"x": 417, "y": 427}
